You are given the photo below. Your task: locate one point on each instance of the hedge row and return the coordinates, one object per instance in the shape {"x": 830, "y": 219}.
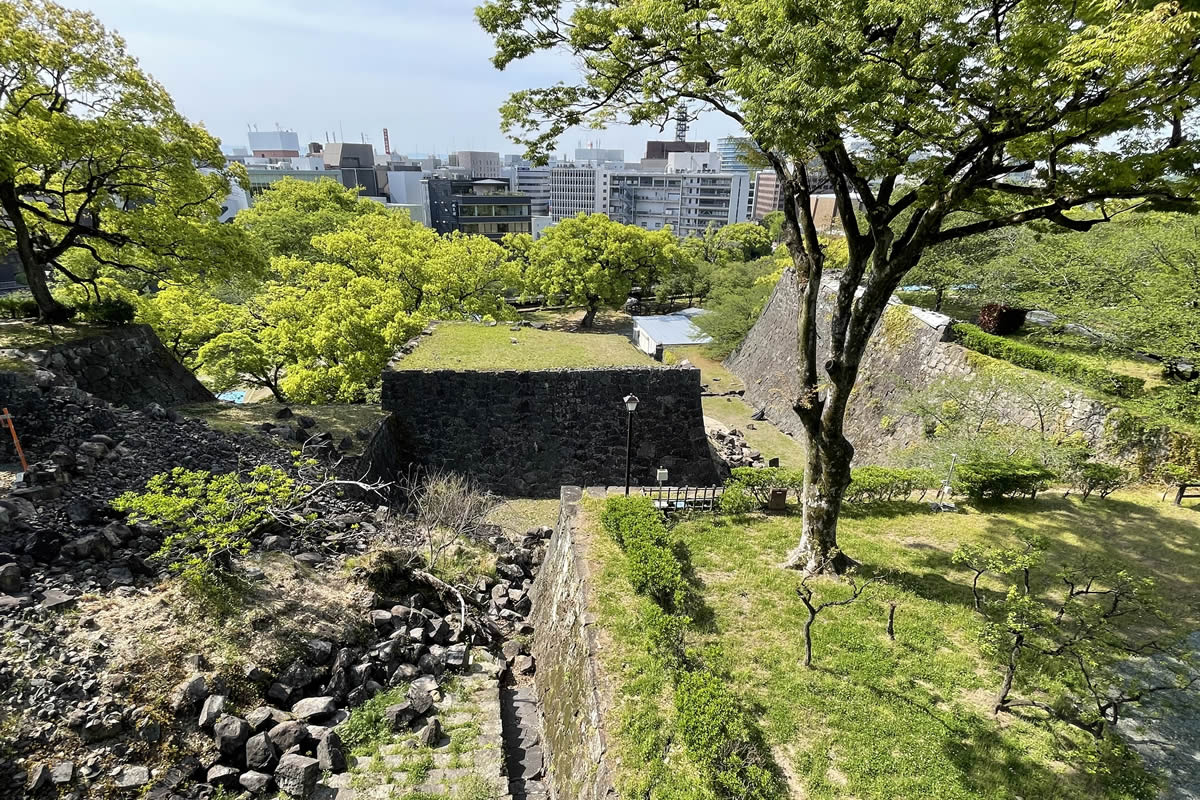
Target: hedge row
{"x": 871, "y": 484}
{"x": 107, "y": 311}
{"x": 711, "y": 723}
{"x": 1059, "y": 364}
{"x": 996, "y": 480}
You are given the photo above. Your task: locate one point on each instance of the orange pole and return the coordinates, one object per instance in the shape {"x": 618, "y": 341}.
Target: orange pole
{"x": 16, "y": 442}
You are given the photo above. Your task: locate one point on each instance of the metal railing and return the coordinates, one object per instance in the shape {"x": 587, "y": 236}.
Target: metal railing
{"x": 674, "y": 499}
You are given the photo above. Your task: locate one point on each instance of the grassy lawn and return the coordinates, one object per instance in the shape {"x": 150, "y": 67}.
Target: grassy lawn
{"x": 340, "y": 420}
{"x": 764, "y": 437}
{"x": 713, "y": 374}
{"x": 24, "y": 334}
{"x": 466, "y": 346}
{"x": 875, "y": 718}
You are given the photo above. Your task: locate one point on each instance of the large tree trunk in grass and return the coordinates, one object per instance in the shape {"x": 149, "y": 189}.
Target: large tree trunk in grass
{"x": 589, "y": 316}
{"x": 826, "y": 476}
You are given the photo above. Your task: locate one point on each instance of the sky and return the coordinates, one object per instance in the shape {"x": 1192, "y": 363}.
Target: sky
{"x": 345, "y": 69}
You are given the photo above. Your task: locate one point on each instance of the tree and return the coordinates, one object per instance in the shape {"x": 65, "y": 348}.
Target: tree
{"x": 287, "y": 216}
{"x": 960, "y": 264}
{"x": 323, "y": 330}
{"x": 595, "y": 262}
{"x": 920, "y": 109}
{"x": 96, "y": 161}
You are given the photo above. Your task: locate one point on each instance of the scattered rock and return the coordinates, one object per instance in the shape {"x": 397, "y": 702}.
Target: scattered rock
{"x": 297, "y": 775}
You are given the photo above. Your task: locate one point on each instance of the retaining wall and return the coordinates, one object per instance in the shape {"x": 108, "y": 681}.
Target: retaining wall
{"x": 126, "y": 366}
{"x": 909, "y": 353}
{"x": 568, "y": 673}
{"x": 529, "y": 433}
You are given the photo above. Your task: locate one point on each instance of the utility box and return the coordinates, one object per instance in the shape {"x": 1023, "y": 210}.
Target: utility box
{"x": 777, "y": 500}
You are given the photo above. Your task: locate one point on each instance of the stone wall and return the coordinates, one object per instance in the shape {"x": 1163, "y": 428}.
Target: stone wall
{"x": 568, "y": 674}
{"x": 528, "y": 433}
{"x": 908, "y": 353}
{"x": 126, "y": 366}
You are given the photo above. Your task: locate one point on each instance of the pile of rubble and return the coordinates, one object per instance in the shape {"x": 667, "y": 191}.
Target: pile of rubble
{"x": 733, "y": 449}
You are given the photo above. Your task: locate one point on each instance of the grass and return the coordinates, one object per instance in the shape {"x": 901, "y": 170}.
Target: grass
{"x": 517, "y": 516}
{"x": 26, "y": 334}
{"x": 876, "y": 718}
{"x": 340, "y": 420}
{"x": 764, "y": 437}
{"x": 713, "y": 374}
{"x": 467, "y": 346}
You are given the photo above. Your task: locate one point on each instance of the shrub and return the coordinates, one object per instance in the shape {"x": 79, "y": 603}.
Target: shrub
{"x": 108, "y": 311}
{"x": 1000, "y": 319}
{"x": 873, "y": 484}
{"x": 207, "y": 518}
{"x": 1059, "y": 364}
{"x": 18, "y": 305}
{"x": 655, "y": 572}
{"x": 736, "y": 500}
{"x": 716, "y": 734}
{"x": 1103, "y": 479}
{"x": 759, "y": 481}
{"x": 625, "y": 515}
{"x": 368, "y": 725}
{"x": 665, "y": 634}
{"x": 995, "y": 480}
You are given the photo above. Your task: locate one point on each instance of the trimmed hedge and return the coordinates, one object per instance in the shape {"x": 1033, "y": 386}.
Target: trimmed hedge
{"x": 108, "y": 311}
{"x": 1036, "y": 358}
{"x": 874, "y": 484}
{"x": 1102, "y": 479}
{"x": 995, "y": 480}
{"x": 18, "y": 305}
{"x": 716, "y": 730}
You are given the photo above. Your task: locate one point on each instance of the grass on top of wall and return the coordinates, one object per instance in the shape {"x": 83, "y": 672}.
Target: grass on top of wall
{"x": 470, "y": 346}
{"x": 874, "y": 718}
{"x": 29, "y": 334}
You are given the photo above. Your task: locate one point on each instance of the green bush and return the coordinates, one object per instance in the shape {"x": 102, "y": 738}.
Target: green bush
{"x": 736, "y": 500}
{"x": 1036, "y": 358}
{"x": 716, "y": 735}
{"x": 655, "y": 572}
{"x": 995, "y": 480}
{"x": 108, "y": 311}
{"x": 368, "y": 724}
{"x": 18, "y": 305}
{"x": 1103, "y": 479}
{"x": 873, "y": 484}
{"x": 759, "y": 481}
{"x": 665, "y": 634}
{"x": 624, "y": 515}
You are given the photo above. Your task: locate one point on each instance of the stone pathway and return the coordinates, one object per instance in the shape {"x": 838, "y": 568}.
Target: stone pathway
{"x": 467, "y": 763}
{"x": 523, "y": 753}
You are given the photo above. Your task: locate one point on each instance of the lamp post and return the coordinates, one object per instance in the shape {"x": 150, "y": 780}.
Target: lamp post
{"x": 631, "y": 404}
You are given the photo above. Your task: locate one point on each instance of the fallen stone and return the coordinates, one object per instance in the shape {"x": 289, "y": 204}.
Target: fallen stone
{"x": 231, "y": 734}
{"x": 314, "y": 707}
{"x": 255, "y": 782}
{"x": 297, "y": 775}
{"x": 222, "y": 776}
{"x": 260, "y": 752}
{"x": 430, "y": 733}
{"x": 211, "y": 711}
{"x": 132, "y": 778}
{"x": 62, "y": 773}
{"x": 287, "y": 735}
{"x": 330, "y": 753}
{"x": 57, "y": 600}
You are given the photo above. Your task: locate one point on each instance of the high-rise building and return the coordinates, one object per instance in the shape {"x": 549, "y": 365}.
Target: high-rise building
{"x": 478, "y": 163}
{"x": 573, "y": 190}
{"x": 732, "y": 150}
{"x": 766, "y": 194}
{"x": 534, "y": 183}
{"x": 656, "y": 149}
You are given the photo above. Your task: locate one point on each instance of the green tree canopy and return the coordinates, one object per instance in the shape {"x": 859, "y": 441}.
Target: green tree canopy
{"x": 287, "y": 216}
{"x": 98, "y": 171}
{"x": 595, "y": 262}
{"x": 911, "y": 107}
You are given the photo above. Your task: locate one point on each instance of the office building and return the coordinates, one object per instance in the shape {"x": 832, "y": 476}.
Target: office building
{"x": 478, "y": 163}
{"x": 534, "y": 183}
{"x": 575, "y": 190}
{"x": 693, "y": 162}
{"x": 687, "y": 201}
{"x": 733, "y": 150}
{"x": 766, "y": 194}
{"x": 274, "y": 144}
{"x": 659, "y": 150}
{"x": 482, "y": 206}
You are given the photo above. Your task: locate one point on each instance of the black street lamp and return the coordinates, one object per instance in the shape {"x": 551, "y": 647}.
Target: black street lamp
{"x": 631, "y": 404}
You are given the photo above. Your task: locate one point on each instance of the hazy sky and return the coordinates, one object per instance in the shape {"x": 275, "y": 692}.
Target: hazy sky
{"x": 346, "y": 67}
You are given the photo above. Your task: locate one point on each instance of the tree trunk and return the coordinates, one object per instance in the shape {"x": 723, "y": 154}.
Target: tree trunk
{"x": 1010, "y": 672}
{"x": 938, "y": 294}
{"x": 826, "y": 476}
{"x": 35, "y": 272}
{"x": 589, "y": 316}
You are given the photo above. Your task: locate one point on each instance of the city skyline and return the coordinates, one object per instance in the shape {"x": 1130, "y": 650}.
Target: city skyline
{"x": 419, "y": 69}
